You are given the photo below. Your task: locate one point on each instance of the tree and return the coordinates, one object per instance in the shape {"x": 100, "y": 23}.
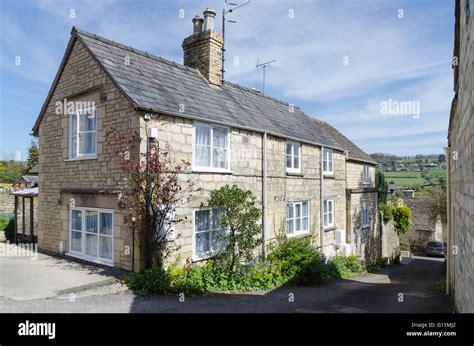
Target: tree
{"x": 33, "y": 155}
{"x": 381, "y": 186}
{"x": 240, "y": 218}
{"x": 154, "y": 187}
{"x": 11, "y": 172}
{"x": 438, "y": 206}
{"x": 441, "y": 158}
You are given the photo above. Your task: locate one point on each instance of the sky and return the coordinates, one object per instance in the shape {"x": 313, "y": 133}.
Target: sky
{"x": 377, "y": 70}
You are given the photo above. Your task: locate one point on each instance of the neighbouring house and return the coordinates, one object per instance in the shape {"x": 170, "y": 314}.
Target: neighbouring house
{"x": 423, "y": 227}
{"x": 460, "y": 165}
{"x": 309, "y": 179}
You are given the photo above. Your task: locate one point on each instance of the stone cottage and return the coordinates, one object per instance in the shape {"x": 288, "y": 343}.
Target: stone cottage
{"x": 460, "y": 165}
{"x": 309, "y": 179}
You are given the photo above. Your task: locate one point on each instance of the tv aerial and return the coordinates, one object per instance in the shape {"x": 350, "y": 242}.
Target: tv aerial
{"x": 264, "y": 66}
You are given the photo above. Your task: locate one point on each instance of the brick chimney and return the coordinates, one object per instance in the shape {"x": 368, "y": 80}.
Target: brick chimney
{"x": 203, "y": 49}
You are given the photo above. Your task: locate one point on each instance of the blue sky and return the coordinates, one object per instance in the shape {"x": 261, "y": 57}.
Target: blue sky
{"x": 336, "y": 59}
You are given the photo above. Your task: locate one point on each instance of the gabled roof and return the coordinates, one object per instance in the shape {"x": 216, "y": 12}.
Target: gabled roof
{"x": 355, "y": 153}
{"x": 159, "y": 85}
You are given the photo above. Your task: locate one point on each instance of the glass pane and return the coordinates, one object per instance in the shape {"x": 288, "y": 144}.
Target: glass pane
{"x": 289, "y": 226}
{"x": 219, "y": 138}
{"x": 288, "y": 161}
{"x": 305, "y": 224}
{"x": 217, "y": 240}
{"x": 288, "y": 149}
{"x": 202, "y": 220}
{"x": 219, "y": 158}
{"x": 296, "y": 162}
{"x": 91, "y": 221}
{"x": 89, "y": 143}
{"x": 105, "y": 247}
{"x": 91, "y": 245}
{"x": 325, "y": 204}
{"x": 203, "y": 135}
{"x": 298, "y": 224}
{"x": 325, "y": 219}
{"x": 203, "y": 156}
{"x": 305, "y": 209}
{"x": 76, "y": 241}
{"x": 106, "y": 223}
{"x": 202, "y": 243}
{"x": 73, "y": 134}
{"x": 216, "y": 216}
{"x": 77, "y": 220}
{"x": 298, "y": 210}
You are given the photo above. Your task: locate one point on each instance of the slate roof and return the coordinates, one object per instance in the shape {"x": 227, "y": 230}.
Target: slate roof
{"x": 355, "y": 153}
{"x": 420, "y": 216}
{"x": 159, "y": 85}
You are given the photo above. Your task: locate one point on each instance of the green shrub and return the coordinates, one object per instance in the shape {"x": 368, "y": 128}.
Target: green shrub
{"x": 386, "y": 212}
{"x": 401, "y": 218}
{"x": 7, "y": 225}
{"x": 149, "y": 281}
{"x": 343, "y": 268}
{"x": 300, "y": 262}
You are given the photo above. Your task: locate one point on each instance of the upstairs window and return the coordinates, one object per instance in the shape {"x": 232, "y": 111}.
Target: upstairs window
{"x": 82, "y": 133}
{"x": 328, "y": 213}
{"x": 297, "y": 218}
{"x": 211, "y": 148}
{"x": 293, "y": 157}
{"x": 328, "y": 165}
{"x": 365, "y": 220}
{"x": 366, "y": 175}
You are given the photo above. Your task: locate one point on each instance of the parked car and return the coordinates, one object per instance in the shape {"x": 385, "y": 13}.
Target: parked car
{"x": 436, "y": 248}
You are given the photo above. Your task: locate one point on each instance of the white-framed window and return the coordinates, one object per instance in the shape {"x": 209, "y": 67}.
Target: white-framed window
{"x": 83, "y": 133}
{"x": 364, "y": 214}
{"x": 297, "y": 218}
{"x": 208, "y": 233}
{"x": 366, "y": 175}
{"x": 328, "y": 164}
{"x": 211, "y": 148}
{"x": 328, "y": 213}
{"x": 91, "y": 234}
{"x": 293, "y": 157}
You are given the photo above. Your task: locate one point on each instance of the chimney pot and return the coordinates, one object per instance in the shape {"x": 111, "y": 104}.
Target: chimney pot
{"x": 197, "y": 24}
{"x": 209, "y": 15}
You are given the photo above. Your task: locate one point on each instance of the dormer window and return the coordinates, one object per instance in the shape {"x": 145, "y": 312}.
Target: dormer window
{"x": 328, "y": 164}
{"x": 293, "y": 157}
{"x": 82, "y": 133}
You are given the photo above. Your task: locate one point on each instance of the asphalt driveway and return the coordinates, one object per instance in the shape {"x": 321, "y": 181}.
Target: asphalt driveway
{"x": 414, "y": 282}
{"x": 29, "y": 275}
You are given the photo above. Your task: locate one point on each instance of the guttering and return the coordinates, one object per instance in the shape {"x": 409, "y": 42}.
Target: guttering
{"x": 264, "y": 194}
{"x": 227, "y": 124}
{"x": 321, "y": 231}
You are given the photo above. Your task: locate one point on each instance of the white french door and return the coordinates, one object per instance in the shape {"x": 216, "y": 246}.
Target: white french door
{"x": 91, "y": 234}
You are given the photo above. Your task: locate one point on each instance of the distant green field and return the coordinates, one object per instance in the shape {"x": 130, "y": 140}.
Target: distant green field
{"x": 413, "y": 179}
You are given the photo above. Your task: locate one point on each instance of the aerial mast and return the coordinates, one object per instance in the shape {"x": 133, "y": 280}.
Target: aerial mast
{"x": 264, "y": 65}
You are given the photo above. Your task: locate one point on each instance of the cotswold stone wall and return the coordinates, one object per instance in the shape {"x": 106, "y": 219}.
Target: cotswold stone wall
{"x": 7, "y": 202}
{"x": 461, "y": 175}
{"x": 57, "y": 172}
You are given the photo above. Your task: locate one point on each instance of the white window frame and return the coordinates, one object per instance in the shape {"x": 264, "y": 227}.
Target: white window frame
{"x": 295, "y": 232}
{"x": 198, "y": 168}
{"x": 81, "y": 254}
{"x": 77, "y": 155}
{"x": 328, "y": 158}
{"x": 292, "y": 168}
{"x": 209, "y": 254}
{"x": 366, "y": 178}
{"x": 331, "y": 212}
{"x": 364, "y": 215}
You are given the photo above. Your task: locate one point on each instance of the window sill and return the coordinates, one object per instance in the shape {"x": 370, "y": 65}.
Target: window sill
{"x": 82, "y": 158}
{"x": 329, "y": 228}
{"x": 364, "y": 227}
{"x": 294, "y": 174}
{"x": 88, "y": 259}
{"x": 329, "y": 175}
{"x": 211, "y": 171}
{"x": 298, "y": 235}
